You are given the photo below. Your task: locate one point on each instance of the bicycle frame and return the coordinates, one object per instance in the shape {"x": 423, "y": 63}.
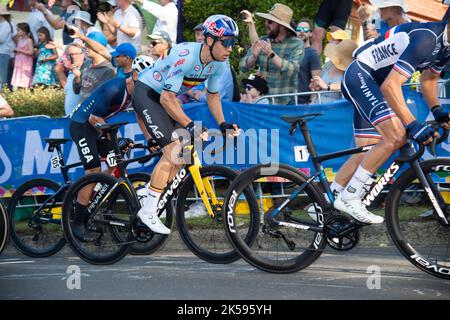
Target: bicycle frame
{"x": 203, "y": 185}
{"x": 407, "y": 154}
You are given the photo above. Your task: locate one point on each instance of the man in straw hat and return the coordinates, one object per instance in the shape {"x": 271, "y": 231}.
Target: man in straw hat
{"x": 333, "y": 15}
{"x": 373, "y": 84}
{"x": 278, "y": 54}
{"x": 7, "y": 45}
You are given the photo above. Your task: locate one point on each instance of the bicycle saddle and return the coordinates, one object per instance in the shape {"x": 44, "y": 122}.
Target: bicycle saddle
{"x": 110, "y": 126}
{"x": 306, "y": 117}
{"x": 56, "y": 141}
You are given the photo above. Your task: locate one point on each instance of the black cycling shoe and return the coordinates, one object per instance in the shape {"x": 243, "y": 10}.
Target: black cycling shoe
{"x": 80, "y": 232}
{"x": 78, "y": 225}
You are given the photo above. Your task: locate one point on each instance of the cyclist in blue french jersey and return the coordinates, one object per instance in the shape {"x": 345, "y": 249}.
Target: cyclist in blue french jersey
{"x": 106, "y": 101}
{"x": 373, "y": 83}
{"x": 155, "y": 101}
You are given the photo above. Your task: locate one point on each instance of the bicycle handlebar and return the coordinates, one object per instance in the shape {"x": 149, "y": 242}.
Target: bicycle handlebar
{"x": 432, "y": 146}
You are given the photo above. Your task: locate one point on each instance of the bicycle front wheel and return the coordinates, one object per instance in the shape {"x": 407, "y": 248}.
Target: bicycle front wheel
{"x": 34, "y": 213}
{"x": 298, "y": 240}
{"x": 203, "y": 234}
{"x": 110, "y": 222}
{"x": 3, "y": 227}
{"x": 412, "y": 220}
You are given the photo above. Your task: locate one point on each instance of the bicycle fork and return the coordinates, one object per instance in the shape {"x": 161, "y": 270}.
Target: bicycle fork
{"x": 431, "y": 191}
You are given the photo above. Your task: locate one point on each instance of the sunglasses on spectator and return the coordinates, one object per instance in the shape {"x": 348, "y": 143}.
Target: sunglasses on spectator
{"x": 304, "y": 29}
{"x": 248, "y": 87}
{"x": 230, "y": 42}
{"x": 155, "y": 43}
{"x": 75, "y": 54}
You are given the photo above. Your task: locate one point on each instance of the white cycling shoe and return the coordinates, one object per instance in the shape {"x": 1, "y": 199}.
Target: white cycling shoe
{"x": 357, "y": 210}
{"x": 152, "y": 221}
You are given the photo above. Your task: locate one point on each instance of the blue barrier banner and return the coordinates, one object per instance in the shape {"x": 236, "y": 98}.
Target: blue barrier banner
{"x": 265, "y": 138}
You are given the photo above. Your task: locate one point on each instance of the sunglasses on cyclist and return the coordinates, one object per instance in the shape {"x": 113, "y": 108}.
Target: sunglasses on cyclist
{"x": 230, "y": 42}
{"x": 155, "y": 43}
{"x": 248, "y": 87}
{"x": 304, "y": 29}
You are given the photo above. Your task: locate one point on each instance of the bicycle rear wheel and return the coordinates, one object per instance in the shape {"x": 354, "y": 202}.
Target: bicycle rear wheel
{"x": 110, "y": 222}
{"x": 205, "y": 235}
{"x": 34, "y": 213}
{"x": 412, "y": 221}
{"x": 277, "y": 249}
{"x": 155, "y": 241}
{"x": 3, "y": 227}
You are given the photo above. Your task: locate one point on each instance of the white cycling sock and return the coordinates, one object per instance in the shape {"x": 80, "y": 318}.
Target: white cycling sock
{"x": 151, "y": 202}
{"x": 336, "y": 187}
{"x": 355, "y": 187}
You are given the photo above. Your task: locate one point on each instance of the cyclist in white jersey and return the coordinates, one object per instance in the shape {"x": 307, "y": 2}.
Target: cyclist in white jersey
{"x": 155, "y": 101}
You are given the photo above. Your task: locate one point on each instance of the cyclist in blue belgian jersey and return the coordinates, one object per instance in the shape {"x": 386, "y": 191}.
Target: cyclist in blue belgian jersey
{"x": 106, "y": 101}
{"x": 154, "y": 100}
{"x": 373, "y": 83}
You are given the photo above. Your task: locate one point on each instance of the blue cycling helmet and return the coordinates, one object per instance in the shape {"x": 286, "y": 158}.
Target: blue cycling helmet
{"x": 220, "y": 25}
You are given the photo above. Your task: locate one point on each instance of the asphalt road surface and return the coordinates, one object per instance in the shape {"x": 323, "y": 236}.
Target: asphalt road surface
{"x": 180, "y": 275}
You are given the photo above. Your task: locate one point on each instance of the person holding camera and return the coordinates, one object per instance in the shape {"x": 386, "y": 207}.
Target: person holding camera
{"x": 278, "y": 54}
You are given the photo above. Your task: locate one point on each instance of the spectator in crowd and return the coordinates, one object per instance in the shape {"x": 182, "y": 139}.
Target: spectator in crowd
{"x": 108, "y": 8}
{"x": 160, "y": 42}
{"x": 94, "y": 71}
{"x": 311, "y": 64}
{"x": 340, "y": 55}
{"x": 122, "y": 57}
{"x": 59, "y": 21}
{"x": 7, "y": 32}
{"x": 166, "y": 14}
{"x": 391, "y": 12}
{"x": 337, "y": 36}
{"x": 278, "y": 54}
{"x": 82, "y": 21}
{"x": 333, "y": 15}
{"x": 46, "y": 60}
{"x": 5, "y": 108}
{"x": 23, "y": 61}
{"x": 75, "y": 53}
{"x": 198, "y": 31}
{"x": 126, "y": 23}
{"x": 37, "y": 20}
{"x": 255, "y": 87}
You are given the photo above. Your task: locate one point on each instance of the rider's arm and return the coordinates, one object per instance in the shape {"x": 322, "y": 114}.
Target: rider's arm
{"x": 215, "y": 106}
{"x": 93, "y": 120}
{"x": 392, "y": 92}
{"x": 171, "y": 104}
{"x": 429, "y": 84}
{"x": 143, "y": 127}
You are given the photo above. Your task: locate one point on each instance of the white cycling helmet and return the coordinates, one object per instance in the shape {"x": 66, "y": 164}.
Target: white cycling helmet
{"x": 141, "y": 63}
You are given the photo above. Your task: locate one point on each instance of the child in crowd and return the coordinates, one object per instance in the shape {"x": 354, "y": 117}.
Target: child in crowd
{"x": 46, "y": 60}
{"x": 23, "y": 63}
